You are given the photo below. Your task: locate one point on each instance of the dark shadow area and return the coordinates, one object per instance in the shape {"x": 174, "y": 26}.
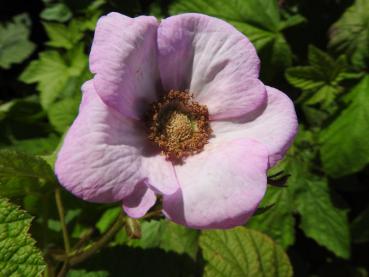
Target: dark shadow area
{"x": 127, "y": 261}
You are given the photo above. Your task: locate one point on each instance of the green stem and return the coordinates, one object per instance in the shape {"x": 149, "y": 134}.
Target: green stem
{"x": 59, "y": 205}
{"x": 100, "y": 243}
{"x": 79, "y": 256}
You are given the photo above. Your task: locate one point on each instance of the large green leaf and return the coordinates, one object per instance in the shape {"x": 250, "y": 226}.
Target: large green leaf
{"x": 14, "y": 44}
{"x": 281, "y": 211}
{"x": 344, "y": 143}
{"x": 308, "y": 195}
{"x": 260, "y": 20}
{"x": 57, "y": 76}
{"x": 21, "y": 173}
{"x": 243, "y": 252}
{"x": 350, "y": 34}
{"x": 18, "y": 254}
{"x": 320, "y": 218}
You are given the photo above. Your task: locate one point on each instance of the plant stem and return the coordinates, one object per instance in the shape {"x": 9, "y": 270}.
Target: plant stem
{"x": 59, "y": 205}
{"x": 80, "y": 257}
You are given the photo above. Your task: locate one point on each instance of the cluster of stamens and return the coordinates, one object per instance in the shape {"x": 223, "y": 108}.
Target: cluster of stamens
{"x": 178, "y": 125}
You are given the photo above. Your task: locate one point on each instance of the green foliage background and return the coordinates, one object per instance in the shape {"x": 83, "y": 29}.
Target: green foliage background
{"x": 315, "y": 224}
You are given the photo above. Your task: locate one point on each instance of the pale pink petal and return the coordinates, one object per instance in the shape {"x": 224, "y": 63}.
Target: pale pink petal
{"x": 140, "y": 201}
{"x": 220, "y": 187}
{"x": 217, "y": 63}
{"x": 160, "y": 174}
{"x": 100, "y": 159}
{"x": 124, "y": 59}
{"x": 275, "y": 127}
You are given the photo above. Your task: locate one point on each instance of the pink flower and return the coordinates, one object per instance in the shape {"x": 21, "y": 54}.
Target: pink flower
{"x": 217, "y": 144}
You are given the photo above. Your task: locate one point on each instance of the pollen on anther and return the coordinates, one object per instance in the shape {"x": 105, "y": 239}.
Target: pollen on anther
{"x": 178, "y": 125}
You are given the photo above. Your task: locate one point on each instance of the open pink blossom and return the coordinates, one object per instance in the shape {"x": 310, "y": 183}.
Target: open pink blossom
{"x": 222, "y": 123}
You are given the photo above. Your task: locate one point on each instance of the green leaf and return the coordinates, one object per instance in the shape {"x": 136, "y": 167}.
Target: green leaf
{"x": 57, "y": 76}
{"x": 319, "y": 80}
{"x": 360, "y": 227}
{"x": 263, "y": 27}
{"x": 84, "y": 273}
{"x": 15, "y": 46}
{"x": 18, "y": 254}
{"x": 320, "y": 218}
{"x": 63, "y": 36}
{"x": 61, "y": 114}
{"x": 21, "y": 173}
{"x": 107, "y": 219}
{"x": 281, "y": 212}
{"x": 167, "y": 236}
{"x": 243, "y": 252}
{"x": 23, "y": 119}
{"x": 344, "y": 143}
{"x": 304, "y": 77}
{"x": 350, "y": 34}
{"x": 56, "y": 12}
{"x": 36, "y": 146}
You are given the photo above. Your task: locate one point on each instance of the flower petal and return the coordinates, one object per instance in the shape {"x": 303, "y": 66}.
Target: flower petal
{"x": 221, "y": 187}
{"x": 140, "y": 201}
{"x": 100, "y": 159}
{"x": 213, "y": 60}
{"x": 275, "y": 127}
{"x": 124, "y": 59}
{"x": 160, "y": 174}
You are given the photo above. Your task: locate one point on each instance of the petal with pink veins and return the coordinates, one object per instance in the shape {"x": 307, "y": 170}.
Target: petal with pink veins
{"x": 220, "y": 187}
{"x": 214, "y": 61}
{"x": 124, "y": 59}
{"x": 104, "y": 154}
{"x": 275, "y": 127}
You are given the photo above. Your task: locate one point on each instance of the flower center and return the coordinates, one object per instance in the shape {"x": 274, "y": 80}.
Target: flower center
{"x": 178, "y": 125}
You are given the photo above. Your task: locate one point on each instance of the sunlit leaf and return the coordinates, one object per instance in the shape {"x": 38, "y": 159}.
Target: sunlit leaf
{"x": 57, "y": 76}
{"x": 63, "y": 36}
{"x": 107, "y": 219}
{"x": 243, "y": 252}
{"x": 18, "y": 253}
{"x": 344, "y": 143}
{"x": 62, "y": 113}
{"x": 320, "y": 79}
{"x": 15, "y": 46}
{"x": 21, "y": 173}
